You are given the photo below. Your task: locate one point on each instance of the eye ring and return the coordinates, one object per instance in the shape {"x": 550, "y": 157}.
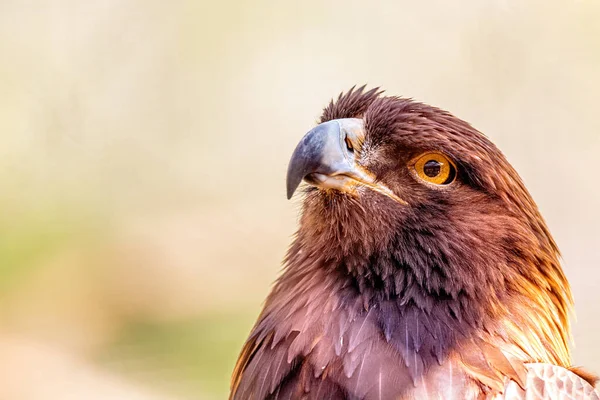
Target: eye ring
{"x": 434, "y": 168}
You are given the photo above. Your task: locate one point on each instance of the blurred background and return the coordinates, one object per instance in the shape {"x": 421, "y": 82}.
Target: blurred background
{"x": 144, "y": 145}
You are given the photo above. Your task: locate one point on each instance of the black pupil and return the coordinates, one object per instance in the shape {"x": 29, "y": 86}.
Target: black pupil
{"x": 432, "y": 168}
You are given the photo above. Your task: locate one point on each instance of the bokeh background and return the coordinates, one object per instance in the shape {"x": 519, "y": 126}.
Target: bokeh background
{"x": 144, "y": 145}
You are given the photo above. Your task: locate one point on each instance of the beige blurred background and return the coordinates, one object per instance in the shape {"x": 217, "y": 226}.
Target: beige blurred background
{"x": 143, "y": 150}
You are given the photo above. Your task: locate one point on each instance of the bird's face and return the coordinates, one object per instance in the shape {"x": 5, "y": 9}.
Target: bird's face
{"x": 341, "y": 159}
{"x": 388, "y": 175}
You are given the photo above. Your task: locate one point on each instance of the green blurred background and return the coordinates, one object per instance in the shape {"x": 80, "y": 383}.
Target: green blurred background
{"x": 143, "y": 150}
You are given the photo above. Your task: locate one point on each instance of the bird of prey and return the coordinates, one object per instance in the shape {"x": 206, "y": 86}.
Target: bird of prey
{"x": 421, "y": 269}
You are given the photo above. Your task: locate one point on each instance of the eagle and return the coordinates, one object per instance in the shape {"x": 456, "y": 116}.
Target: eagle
{"x": 421, "y": 269}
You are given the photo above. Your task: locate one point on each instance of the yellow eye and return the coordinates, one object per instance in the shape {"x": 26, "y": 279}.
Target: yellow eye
{"x": 435, "y": 168}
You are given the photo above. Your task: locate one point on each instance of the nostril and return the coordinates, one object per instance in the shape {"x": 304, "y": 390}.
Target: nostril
{"x": 349, "y": 145}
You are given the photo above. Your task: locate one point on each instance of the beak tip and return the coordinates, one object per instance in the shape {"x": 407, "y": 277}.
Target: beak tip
{"x": 291, "y": 188}
{"x": 295, "y": 174}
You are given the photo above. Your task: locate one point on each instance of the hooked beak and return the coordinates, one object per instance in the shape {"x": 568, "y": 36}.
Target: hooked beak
{"x": 323, "y": 159}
